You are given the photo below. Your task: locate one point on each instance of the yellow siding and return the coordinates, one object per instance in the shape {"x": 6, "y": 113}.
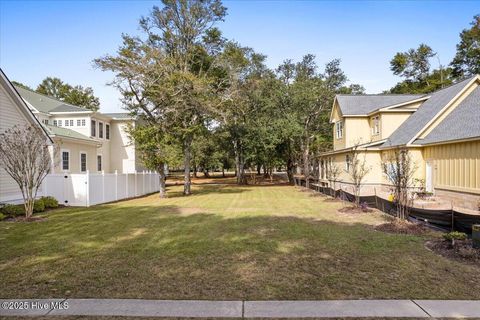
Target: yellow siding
{"x": 456, "y": 166}
{"x": 357, "y": 130}
{"x": 389, "y": 122}
{"x": 373, "y": 162}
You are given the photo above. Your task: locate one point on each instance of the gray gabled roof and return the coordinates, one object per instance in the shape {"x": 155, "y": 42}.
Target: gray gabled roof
{"x": 462, "y": 123}
{"x": 426, "y": 112}
{"x": 352, "y": 105}
{"x": 45, "y": 103}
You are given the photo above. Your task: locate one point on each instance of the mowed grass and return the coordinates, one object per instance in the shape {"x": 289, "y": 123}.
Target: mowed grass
{"x": 223, "y": 242}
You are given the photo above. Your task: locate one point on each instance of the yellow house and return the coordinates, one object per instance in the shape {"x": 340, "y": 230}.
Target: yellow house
{"x": 441, "y": 131}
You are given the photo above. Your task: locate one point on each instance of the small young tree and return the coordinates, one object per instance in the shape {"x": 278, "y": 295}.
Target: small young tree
{"x": 25, "y": 156}
{"x": 357, "y": 169}
{"x": 333, "y": 175}
{"x": 399, "y": 169}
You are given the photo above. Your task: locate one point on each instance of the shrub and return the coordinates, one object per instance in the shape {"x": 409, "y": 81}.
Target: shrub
{"x": 455, "y": 235}
{"x": 38, "y": 206}
{"x": 2, "y": 216}
{"x": 50, "y": 202}
{"x": 11, "y": 210}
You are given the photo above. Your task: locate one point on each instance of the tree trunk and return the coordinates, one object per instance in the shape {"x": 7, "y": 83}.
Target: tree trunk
{"x": 306, "y": 164}
{"x": 290, "y": 168}
{"x": 162, "y": 193}
{"x": 187, "y": 152}
{"x": 195, "y": 170}
{"x": 259, "y": 167}
{"x": 239, "y": 164}
{"x": 223, "y": 172}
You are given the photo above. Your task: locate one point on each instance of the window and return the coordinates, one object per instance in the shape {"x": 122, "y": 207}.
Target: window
{"x": 347, "y": 162}
{"x": 94, "y": 128}
{"x": 83, "y": 122}
{"x": 55, "y": 122}
{"x": 100, "y": 130}
{"x": 66, "y": 123}
{"x": 45, "y": 121}
{"x": 376, "y": 125}
{"x": 99, "y": 163}
{"x": 339, "y": 129}
{"x": 107, "y": 131}
{"x": 71, "y": 123}
{"x": 83, "y": 162}
{"x": 65, "y": 160}
{"x": 78, "y": 123}
{"x": 59, "y": 123}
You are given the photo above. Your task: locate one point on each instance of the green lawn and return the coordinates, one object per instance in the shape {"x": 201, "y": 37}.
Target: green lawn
{"x": 223, "y": 242}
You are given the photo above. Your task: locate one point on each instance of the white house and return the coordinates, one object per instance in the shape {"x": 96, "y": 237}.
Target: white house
{"x": 87, "y": 140}
{"x": 13, "y": 111}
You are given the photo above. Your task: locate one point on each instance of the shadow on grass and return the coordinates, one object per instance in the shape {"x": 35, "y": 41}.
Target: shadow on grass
{"x": 173, "y": 252}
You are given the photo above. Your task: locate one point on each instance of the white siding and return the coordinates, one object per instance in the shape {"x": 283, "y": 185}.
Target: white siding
{"x": 10, "y": 115}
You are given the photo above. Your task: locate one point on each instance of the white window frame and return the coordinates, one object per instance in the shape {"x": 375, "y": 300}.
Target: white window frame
{"x": 80, "y": 161}
{"x": 93, "y": 127}
{"x": 339, "y": 129}
{"x": 101, "y": 134}
{"x": 55, "y": 123}
{"x": 99, "y": 156}
{"x": 62, "y": 151}
{"x": 83, "y": 123}
{"x": 375, "y": 125}
{"x": 67, "y": 123}
{"x": 59, "y": 122}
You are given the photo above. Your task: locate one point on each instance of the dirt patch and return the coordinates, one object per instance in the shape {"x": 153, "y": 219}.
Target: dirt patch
{"x": 354, "y": 210}
{"x": 461, "y": 250}
{"x": 402, "y": 227}
{"x": 335, "y": 200}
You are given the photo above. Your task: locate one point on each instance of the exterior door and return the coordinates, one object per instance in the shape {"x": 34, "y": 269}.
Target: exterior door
{"x": 428, "y": 176}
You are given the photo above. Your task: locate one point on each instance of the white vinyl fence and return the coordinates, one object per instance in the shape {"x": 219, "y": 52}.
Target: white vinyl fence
{"x": 88, "y": 189}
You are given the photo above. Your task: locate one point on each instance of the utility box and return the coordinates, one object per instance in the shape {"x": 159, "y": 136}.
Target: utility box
{"x": 476, "y": 236}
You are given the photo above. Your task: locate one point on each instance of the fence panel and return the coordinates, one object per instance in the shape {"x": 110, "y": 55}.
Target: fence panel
{"x": 90, "y": 189}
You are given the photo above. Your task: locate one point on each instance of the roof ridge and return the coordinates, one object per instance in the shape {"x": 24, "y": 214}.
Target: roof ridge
{"x": 380, "y": 94}
{"x": 49, "y": 97}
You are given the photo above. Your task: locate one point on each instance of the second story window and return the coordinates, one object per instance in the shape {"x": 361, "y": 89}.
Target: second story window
{"x": 100, "y": 130}
{"x": 93, "y": 128}
{"x": 59, "y": 123}
{"x": 107, "y": 131}
{"x": 83, "y": 122}
{"x": 55, "y": 123}
{"x": 339, "y": 129}
{"x": 376, "y": 125}
{"x": 45, "y": 121}
{"x": 78, "y": 123}
{"x": 66, "y": 123}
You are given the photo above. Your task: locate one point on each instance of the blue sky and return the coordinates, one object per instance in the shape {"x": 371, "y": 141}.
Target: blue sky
{"x": 61, "y": 38}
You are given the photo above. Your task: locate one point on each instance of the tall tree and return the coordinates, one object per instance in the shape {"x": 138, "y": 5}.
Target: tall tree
{"x": 413, "y": 64}
{"x": 76, "y": 95}
{"x": 467, "y": 59}
{"x": 165, "y": 77}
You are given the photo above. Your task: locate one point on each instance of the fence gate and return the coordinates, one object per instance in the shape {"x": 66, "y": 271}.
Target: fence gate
{"x": 68, "y": 189}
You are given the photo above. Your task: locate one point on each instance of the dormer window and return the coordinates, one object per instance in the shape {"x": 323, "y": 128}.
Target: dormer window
{"x": 375, "y": 125}
{"x": 339, "y": 129}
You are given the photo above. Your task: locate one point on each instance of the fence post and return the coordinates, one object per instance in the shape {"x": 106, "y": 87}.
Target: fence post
{"x": 126, "y": 185}
{"x": 103, "y": 186}
{"x": 116, "y": 185}
{"x": 143, "y": 178}
{"x": 136, "y": 189}
{"x": 87, "y": 188}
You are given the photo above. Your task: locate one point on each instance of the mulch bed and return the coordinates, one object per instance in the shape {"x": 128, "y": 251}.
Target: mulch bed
{"x": 354, "y": 210}
{"x": 402, "y": 227}
{"x": 23, "y": 219}
{"x": 461, "y": 251}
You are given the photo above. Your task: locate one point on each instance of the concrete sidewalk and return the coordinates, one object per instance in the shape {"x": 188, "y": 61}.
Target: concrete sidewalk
{"x": 242, "y": 309}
